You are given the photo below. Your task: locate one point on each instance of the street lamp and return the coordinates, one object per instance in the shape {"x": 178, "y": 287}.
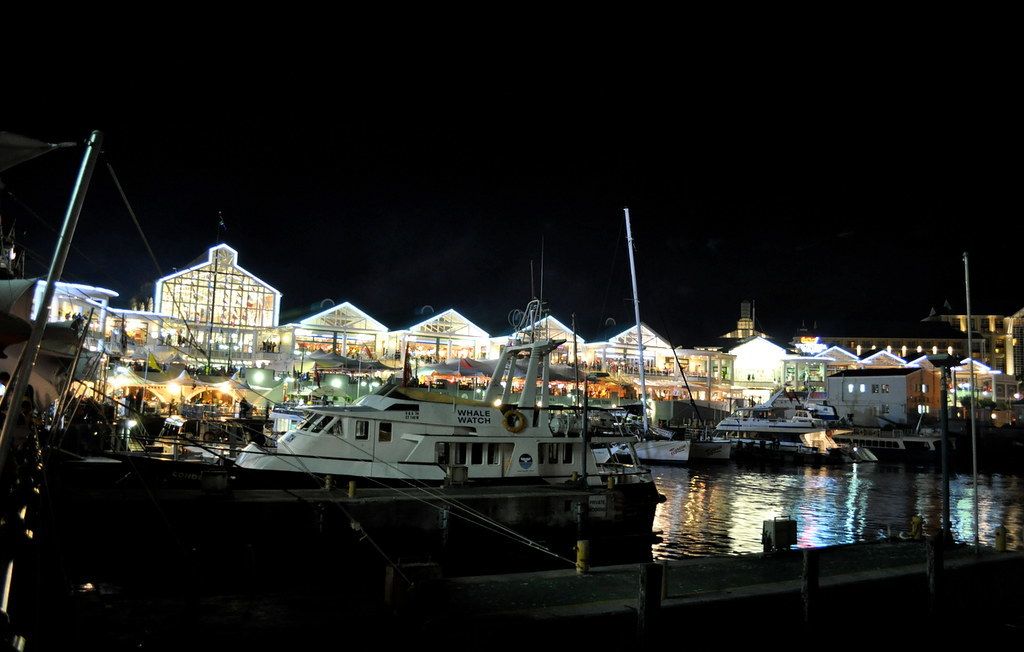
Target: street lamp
{"x": 945, "y": 362}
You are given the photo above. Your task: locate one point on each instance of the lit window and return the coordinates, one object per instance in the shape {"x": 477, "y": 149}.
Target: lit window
{"x": 863, "y": 388}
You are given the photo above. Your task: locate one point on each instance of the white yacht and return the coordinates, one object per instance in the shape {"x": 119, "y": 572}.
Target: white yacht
{"x": 768, "y": 420}
{"x": 404, "y": 434}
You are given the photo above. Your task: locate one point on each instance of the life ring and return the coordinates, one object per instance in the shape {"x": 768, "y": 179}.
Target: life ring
{"x": 514, "y": 421}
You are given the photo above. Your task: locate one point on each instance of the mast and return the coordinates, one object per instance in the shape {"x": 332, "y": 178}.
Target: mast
{"x": 974, "y": 435}
{"x": 639, "y": 332}
{"x": 60, "y": 255}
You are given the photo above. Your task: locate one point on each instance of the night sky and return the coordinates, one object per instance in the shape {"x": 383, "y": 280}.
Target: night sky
{"x": 840, "y": 202}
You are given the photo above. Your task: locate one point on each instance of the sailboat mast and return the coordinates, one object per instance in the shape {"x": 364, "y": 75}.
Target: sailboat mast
{"x": 639, "y": 332}
{"x": 974, "y": 432}
{"x": 60, "y": 255}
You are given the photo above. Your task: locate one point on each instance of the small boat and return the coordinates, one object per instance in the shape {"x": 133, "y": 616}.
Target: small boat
{"x": 895, "y": 445}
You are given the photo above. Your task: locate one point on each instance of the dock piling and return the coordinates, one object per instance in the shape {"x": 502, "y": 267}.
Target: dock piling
{"x": 648, "y": 600}
{"x": 935, "y": 554}
{"x": 809, "y": 590}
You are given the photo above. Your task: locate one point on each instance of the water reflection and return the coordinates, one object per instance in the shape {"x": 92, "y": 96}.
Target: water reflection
{"x": 718, "y": 510}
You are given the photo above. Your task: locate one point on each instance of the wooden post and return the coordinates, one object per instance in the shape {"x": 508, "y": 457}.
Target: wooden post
{"x": 648, "y": 601}
{"x": 809, "y": 591}
{"x": 935, "y": 553}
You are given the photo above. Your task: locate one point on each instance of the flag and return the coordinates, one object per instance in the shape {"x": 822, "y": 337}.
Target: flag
{"x": 153, "y": 364}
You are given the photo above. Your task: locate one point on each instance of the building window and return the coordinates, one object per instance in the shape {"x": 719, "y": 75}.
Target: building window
{"x": 924, "y": 388}
{"x": 849, "y": 388}
{"x": 863, "y": 388}
{"x": 874, "y": 389}
{"x": 885, "y": 389}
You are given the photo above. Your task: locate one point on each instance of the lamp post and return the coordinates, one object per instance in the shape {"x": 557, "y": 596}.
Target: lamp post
{"x": 945, "y": 362}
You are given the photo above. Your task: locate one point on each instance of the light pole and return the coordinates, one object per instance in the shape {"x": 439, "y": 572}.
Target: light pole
{"x": 945, "y": 362}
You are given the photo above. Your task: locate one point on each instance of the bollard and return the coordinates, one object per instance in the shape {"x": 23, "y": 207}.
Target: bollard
{"x": 611, "y": 482}
{"x": 1001, "y": 533}
{"x": 648, "y": 600}
{"x": 935, "y": 555}
{"x": 351, "y": 488}
{"x": 809, "y": 590}
{"x": 329, "y": 482}
{"x": 575, "y": 476}
{"x": 916, "y": 527}
{"x": 582, "y": 556}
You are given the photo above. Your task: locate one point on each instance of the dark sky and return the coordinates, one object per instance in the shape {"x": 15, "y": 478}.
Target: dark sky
{"x": 830, "y": 202}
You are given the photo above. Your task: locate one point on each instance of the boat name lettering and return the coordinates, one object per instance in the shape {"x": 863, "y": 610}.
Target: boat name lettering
{"x": 464, "y": 415}
{"x": 412, "y": 415}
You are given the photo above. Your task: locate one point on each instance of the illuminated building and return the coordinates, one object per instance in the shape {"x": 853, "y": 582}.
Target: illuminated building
{"x": 226, "y": 311}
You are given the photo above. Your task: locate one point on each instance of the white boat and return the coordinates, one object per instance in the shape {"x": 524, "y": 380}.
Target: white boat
{"x": 781, "y": 434}
{"x": 768, "y": 420}
{"x": 404, "y": 434}
{"x": 663, "y": 451}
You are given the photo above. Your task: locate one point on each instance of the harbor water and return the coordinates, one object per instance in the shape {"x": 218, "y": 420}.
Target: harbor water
{"x": 719, "y": 510}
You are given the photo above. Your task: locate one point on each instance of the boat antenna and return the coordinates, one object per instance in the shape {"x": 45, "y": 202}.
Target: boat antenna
{"x": 639, "y": 331}
{"x": 541, "y": 272}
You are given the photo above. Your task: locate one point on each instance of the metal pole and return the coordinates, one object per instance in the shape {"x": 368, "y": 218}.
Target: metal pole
{"x": 974, "y": 434}
{"x": 639, "y": 332}
{"x": 944, "y": 423}
{"x": 60, "y": 255}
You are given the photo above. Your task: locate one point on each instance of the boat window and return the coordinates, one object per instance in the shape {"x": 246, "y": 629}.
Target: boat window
{"x": 362, "y": 429}
{"x": 441, "y": 453}
{"x": 384, "y": 431}
{"x": 321, "y": 424}
{"x": 476, "y": 454}
{"x": 337, "y": 428}
{"x": 553, "y": 453}
{"x": 307, "y": 420}
{"x": 492, "y": 453}
{"x": 542, "y": 456}
{"x": 460, "y": 453}
{"x": 567, "y": 453}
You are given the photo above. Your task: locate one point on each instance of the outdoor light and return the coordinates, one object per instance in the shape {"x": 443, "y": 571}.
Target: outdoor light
{"x": 335, "y": 382}
{"x": 497, "y": 402}
{"x": 131, "y": 423}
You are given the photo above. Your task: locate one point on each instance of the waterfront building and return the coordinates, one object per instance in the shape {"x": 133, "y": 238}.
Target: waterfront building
{"x": 439, "y": 337}
{"x": 74, "y": 306}
{"x": 879, "y": 397}
{"x": 902, "y": 339}
{"x": 838, "y": 359}
{"x": 551, "y": 328}
{"x": 341, "y": 329}
{"x": 998, "y": 338}
{"x": 615, "y": 351}
{"x": 745, "y": 325}
{"x": 226, "y": 311}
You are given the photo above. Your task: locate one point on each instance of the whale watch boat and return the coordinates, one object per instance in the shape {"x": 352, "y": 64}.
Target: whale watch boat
{"x": 401, "y": 434}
